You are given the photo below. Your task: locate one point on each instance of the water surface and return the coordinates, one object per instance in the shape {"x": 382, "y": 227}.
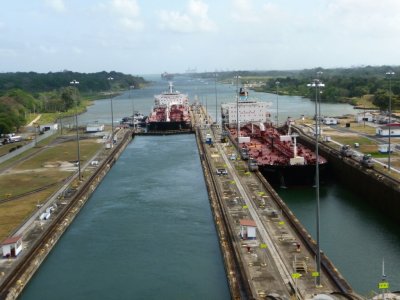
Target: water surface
{"x": 146, "y": 233}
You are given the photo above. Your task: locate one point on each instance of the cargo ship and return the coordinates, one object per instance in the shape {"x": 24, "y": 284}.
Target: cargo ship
{"x": 167, "y": 76}
{"x": 170, "y": 112}
{"x": 274, "y": 152}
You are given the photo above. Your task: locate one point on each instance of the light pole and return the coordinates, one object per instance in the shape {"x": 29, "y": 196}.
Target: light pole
{"x": 317, "y": 84}
{"x": 237, "y": 108}
{"x": 35, "y": 126}
{"x": 133, "y": 105}
{"x": 112, "y": 113}
{"x": 319, "y": 75}
{"x": 277, "y": 103}
{"x": 75, "y": 83}
{"x": 216, "y": 99}
{"x": 390, "y": 74}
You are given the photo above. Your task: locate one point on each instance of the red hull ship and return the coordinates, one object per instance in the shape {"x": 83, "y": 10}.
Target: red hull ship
{"x": 170, "y": 112}
{"x": 277, "y": 155}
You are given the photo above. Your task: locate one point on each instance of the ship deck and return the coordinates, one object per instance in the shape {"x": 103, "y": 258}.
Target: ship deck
{"x": 267, "y": 149}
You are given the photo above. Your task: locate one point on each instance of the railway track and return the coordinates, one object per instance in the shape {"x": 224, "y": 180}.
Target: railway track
{"x": 42, "y": 188}
{"x": 51, "y": 234}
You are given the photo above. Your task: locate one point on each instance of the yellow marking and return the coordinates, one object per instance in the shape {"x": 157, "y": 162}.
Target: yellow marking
{"x": 315, "y": 274}
{"x": 296, "y": 275}
{"x": 245, "y": 206}
{"x": 263, "y": 246}
{"x": 383, "y": 285}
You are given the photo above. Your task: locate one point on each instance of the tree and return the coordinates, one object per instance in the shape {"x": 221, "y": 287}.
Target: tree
{"x": 381, "y": 99}
{"x": 70, "y": 97}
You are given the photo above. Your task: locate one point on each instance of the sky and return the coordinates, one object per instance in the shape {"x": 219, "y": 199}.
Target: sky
{"x": 153, "y": 36}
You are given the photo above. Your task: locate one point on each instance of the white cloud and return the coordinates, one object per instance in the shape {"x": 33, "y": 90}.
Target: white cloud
{"x": 194, "y": 19}
{"x": 7, "y": 52}
{"x": 126, "y": 7}
{"x": 244, "y": 11}
{"x": 47, "y": 49}
{"x": 176, "y": 48}
{"x": 365, "y": 17}
{"x": 77, "y": 50}
{"x": 128, "y": 12}
{"x": 57, "y": 5}
{"x": 131, "y": 24}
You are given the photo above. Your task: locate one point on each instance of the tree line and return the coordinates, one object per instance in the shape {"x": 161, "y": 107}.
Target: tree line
{"x": 341, "y": 84}
{"x": 29, "y": 92}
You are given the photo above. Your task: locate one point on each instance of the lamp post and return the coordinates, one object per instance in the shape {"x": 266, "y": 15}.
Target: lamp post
{"x": 237, "y": 107}
{"x": 319, "y": 75}
{"x": 112, "y": 113}
{"x": 390, "y": 74}
{"x": 277, "y": 103}
{"x": 75, "y": 83}
{"x": 133, "y": 105}
{"x": 216, "y": 99}
{"x": 35, "y": 126}
{"x": 317, "y": 84}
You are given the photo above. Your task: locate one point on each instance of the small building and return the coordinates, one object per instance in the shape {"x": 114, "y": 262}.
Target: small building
{"x": 47, "y": 127}
{"x": 364, "y": 117}
{"x": 247, "y": 229}
{"x": 94, "y": 127}
{"x": 329, "y": 121}
{"x": 384, "y": 130}
{"x": 12, "y": 246}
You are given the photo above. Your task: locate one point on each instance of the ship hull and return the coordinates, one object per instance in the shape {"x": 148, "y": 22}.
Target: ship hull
{"x": 167, "y": 126}
{"x": 291, "y": 175}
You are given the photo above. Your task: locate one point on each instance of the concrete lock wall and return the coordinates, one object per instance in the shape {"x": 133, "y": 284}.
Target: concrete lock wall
{"x": 374, "y": 189}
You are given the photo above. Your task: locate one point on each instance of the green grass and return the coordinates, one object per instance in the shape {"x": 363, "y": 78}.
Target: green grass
{"x": 365, "y": 101}
{"x": 13, "y": 213}
{"x": 63, "y": 152}
{"x": 350, "y": 140}
{"x": 28, "y": 182}
{"x": 5, "y": 149}
{"x": 48, "y": 118}
{"x": 360, "y": 127}
{"x": 32, "y": 174}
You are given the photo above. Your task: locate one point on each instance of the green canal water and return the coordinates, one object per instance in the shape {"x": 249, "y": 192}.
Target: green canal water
{"x": 353, "y": 235}
{"x": 146, "y": 233}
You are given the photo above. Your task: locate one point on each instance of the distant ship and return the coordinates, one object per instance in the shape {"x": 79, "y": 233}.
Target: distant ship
{"x": 170, "y": 111}
{"x": 275, "y": 153}
{"x": 167, "y": 76}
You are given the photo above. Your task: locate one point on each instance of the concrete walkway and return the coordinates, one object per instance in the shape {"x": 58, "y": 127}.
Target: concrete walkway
{"x": 34, "y": 120}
